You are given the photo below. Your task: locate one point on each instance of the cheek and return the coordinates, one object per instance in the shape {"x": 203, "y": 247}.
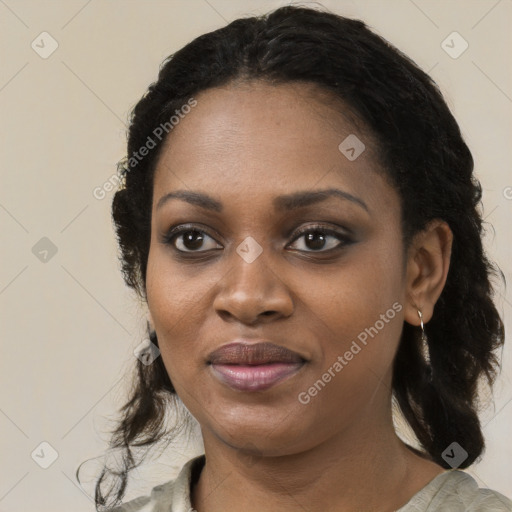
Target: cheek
{"x": 360, "y": 328}
{"x": 179, "y": 301}
{"x": 172, "y": 291}
{"x": 360, "y": 308}
{"x": 171, "y": 304}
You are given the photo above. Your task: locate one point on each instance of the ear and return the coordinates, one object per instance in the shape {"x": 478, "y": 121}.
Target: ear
{"x": 428, "y": 261}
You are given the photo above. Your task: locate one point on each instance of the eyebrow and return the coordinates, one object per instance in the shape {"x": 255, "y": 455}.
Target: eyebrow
{"x": 287, "y": 202}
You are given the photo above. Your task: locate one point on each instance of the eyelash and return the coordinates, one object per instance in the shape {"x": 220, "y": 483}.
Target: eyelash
{"x": 175, "y": 232}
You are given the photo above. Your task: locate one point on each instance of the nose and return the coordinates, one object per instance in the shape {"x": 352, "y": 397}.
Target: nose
{"x": 252, "y": 292}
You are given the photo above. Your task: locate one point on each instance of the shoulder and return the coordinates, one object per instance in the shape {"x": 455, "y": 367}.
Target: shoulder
{"x": 171, "y": 496}
{"x": 457, "y": 491}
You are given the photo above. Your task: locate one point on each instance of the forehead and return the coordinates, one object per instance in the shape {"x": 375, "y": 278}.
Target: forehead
{"x": 269, "y": 140}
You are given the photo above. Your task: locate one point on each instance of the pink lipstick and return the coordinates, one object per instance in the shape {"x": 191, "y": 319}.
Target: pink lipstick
{"x": 253, "y": 366}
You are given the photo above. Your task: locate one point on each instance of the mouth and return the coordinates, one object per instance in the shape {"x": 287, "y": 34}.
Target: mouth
{"x": 254, "y": 367}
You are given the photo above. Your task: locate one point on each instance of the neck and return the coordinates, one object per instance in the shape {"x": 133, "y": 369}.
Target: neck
{"x": 364, "y": 464}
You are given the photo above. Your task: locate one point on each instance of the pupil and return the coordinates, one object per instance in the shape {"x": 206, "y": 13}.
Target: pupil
{"x": 318, "y": 243}
{"x": 193, "y": 240}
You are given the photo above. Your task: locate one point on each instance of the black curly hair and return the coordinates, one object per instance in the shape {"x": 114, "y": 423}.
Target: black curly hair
{"x": 421, "y": 152}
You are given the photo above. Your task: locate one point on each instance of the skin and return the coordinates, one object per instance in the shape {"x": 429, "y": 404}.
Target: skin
{"x": 244, "y": 145}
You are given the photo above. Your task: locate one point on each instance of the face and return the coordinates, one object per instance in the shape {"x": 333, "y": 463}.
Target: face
{"x": 262, "y": 257}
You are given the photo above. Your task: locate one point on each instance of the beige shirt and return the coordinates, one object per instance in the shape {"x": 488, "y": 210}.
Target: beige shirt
{"x": 451, "y": 491}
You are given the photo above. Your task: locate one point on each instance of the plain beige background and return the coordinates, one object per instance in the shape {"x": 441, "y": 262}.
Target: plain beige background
{"x": 69, "y": 326}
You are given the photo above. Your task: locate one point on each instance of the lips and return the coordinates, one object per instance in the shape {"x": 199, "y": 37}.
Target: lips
{"x": 246, "y": 366}
{"x": 244, "y": 353}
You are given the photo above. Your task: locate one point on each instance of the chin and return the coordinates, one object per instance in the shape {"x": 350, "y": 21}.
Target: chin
{"x": 269, "y": 434}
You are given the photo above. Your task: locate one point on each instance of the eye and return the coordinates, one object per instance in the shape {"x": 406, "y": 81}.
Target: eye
{"x": 316, "y": 238}
{"x": 189, "y": 239}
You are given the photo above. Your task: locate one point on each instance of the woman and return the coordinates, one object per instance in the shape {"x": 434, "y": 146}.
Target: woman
{"x": 300, "y": 215}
